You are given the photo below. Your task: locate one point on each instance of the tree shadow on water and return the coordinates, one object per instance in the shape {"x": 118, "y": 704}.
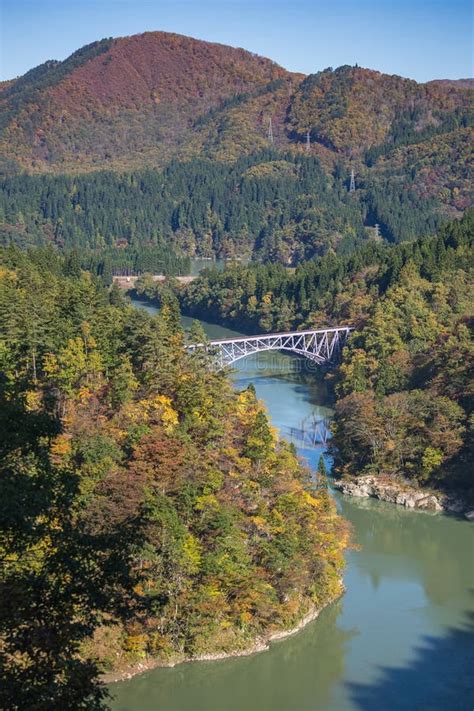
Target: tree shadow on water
{"x": 439, "y": 678}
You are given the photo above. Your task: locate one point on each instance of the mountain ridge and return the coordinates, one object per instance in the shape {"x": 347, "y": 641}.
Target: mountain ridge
{"x": 466, "y": 82}
{"x": 138, "y": 101}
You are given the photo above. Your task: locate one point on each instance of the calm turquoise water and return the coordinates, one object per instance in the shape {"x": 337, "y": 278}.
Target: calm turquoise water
{"x": 400, "y": 639}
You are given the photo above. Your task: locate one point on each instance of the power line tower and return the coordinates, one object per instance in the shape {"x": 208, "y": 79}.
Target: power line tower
{"x": 377, "y": 231}
{"x": 308, "y": 142}
{"x": 270, "y": 130}
{"x": 352, "y": 185}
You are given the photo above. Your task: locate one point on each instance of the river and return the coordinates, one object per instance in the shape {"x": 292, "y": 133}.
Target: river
{"x": 400, "y": 639}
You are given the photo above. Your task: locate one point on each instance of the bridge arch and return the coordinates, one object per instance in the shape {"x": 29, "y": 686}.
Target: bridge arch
{"x": 318, "y": 345}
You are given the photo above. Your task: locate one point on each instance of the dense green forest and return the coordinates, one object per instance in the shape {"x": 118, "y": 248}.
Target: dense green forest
{"x": 148, "y": 509}
{"x": 405, "y": 385}
{"x": 274, "y": 206}
{"x": 131, "y": 260}
{"x": 324, "y": 290}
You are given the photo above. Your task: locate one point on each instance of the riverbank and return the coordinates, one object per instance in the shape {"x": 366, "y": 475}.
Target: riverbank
{"x": 402, "y": 494}
{"x": 261, "y": 644}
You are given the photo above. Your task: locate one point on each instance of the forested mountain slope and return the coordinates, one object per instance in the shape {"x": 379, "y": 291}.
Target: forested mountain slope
{"x": 135, "y": 101}
{"x": 273, "y": 206}
{"x": 127, "y": 102}
{"x": 181, "y": 127}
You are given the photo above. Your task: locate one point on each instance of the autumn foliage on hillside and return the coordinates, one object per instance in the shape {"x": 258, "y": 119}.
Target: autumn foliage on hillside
{"x": 140, "y": 100}
{"x": 148, "y": 509}
{"x": 133, "y": 102}
{"x": 351, "y": 109}
{"x": 406, "y": 395}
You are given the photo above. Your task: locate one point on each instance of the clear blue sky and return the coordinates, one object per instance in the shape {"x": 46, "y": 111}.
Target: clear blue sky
{"x": 421, "y": 39}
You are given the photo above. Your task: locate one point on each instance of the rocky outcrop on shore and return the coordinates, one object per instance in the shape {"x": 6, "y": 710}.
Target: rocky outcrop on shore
{"x": 398, "y": 492}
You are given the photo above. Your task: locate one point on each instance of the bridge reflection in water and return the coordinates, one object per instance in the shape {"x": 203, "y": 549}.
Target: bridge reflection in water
{"x": 312, "y": 431}
{"x": 319, "y": 346}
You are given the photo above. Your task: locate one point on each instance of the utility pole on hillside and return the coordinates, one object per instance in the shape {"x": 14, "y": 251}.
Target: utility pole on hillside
{"x": 308, "y": 142}
{"x": 270, "y": 130}
{"x": 352, "y": 185}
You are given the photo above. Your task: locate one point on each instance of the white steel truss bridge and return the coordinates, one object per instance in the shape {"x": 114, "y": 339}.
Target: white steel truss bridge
{"x": 321, "y": 346}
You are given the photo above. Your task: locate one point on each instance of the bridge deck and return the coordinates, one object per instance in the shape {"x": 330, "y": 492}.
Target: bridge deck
{"x": 284, "y": 334}
{"x": 319, "y": 345}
